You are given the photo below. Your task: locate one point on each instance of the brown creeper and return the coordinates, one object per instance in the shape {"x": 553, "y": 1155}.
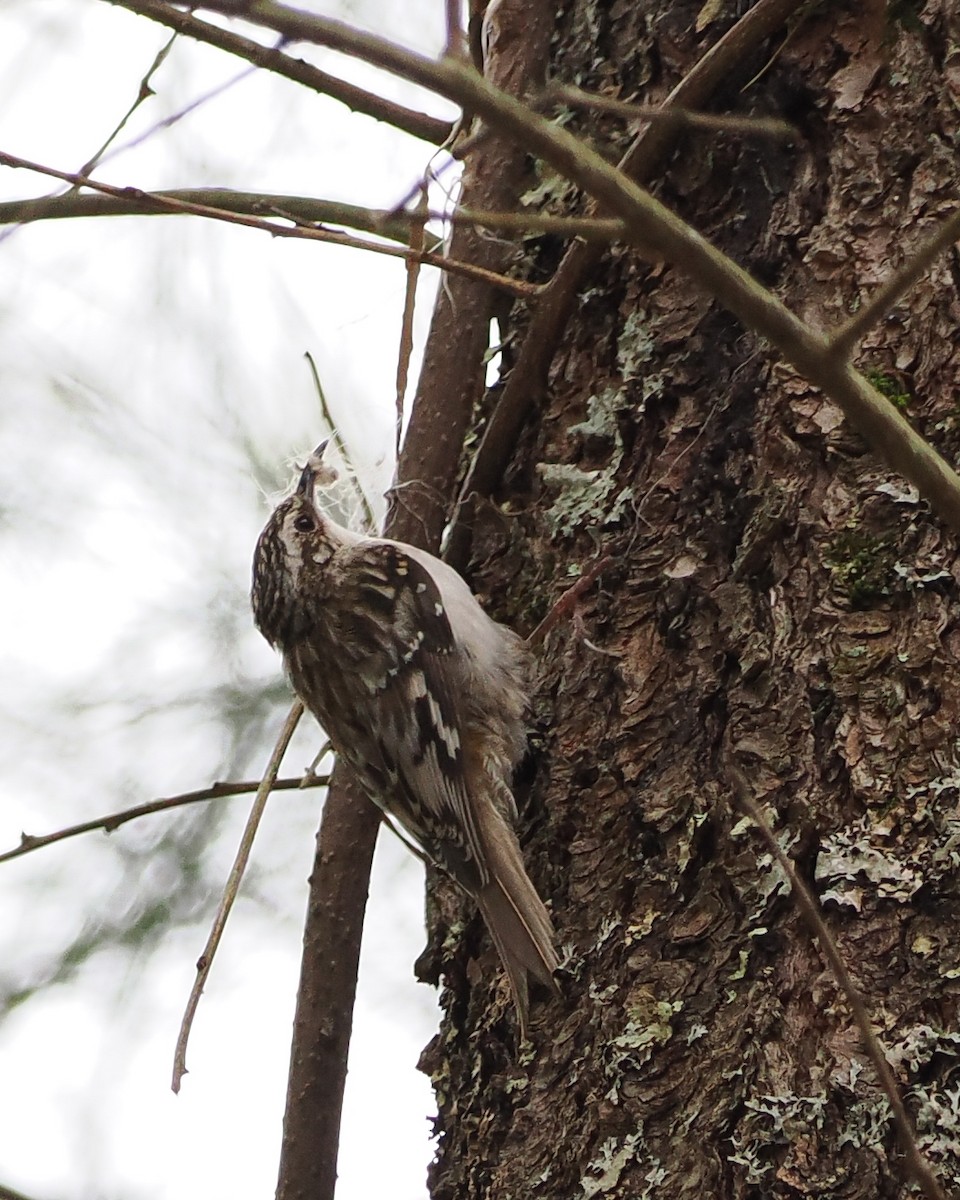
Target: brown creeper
{"x": 421, "y": 693}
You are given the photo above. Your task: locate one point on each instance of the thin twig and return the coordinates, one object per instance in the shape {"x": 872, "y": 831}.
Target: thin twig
{"x": 680, "y": 118}
{"x": 417, "y": 124}
{"x": 567, "y": 602}
{"x": 418, "y": 232}
{"x": 847, "y": 336}
{"x": 457, "y": 149}
{"x": 30, "y": 842}
{"x": 144, "y": 92}
{"x": 173, "y": 119}
{"x": 640, "y": 504}
{"x": 205, "y": 961}
{"x": 919, "y": 1168}
{"x": 161, "y": 201}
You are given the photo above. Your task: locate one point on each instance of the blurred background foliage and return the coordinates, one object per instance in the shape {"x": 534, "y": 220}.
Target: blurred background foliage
{"x": 155, "y": 396}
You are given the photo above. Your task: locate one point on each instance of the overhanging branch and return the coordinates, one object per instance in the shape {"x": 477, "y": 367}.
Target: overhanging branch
{"x": 650, "y": 224}
{"x": 164, "y": 202}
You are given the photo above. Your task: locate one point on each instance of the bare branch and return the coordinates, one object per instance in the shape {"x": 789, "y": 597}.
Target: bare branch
{"x": 603, "y": 230}
{"x": 130, "y": 202}
{"x": 7, "y": 1193}
{"x": 173, "y": 118}
{"x": 369, "y": 522}
{"x": 217, "y": 791}
{"x": 387, "y": 223}
{"x": 567, "y": 602}
{"x": 323, "y": 1020}
{"x": 417, "y": 124}
{"x": 418, "y": 233}
{"x": 205, "y": 961}
{"x": 144, "y": 92}
{"x": 844, "y": 340}
{"x": 673, "y": 115}
{"x": 920, "y": 1169}
{"x": 456, "y": 42}
{"x": 163, "y": 202}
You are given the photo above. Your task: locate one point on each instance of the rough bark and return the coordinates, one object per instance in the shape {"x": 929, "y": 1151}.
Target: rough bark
{"x": 777, "y": 596}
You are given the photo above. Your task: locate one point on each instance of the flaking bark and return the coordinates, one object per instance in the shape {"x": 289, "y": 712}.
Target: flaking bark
{"x": 777, "y": 591}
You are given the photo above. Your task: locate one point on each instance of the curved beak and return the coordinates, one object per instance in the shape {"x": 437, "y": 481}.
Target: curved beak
{"x": 308, "y": 477}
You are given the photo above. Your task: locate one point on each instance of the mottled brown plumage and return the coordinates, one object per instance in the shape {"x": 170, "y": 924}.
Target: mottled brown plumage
{"x": 421, "y": 693}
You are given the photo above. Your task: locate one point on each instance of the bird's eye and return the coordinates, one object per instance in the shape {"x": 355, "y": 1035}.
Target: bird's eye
{"x": 303, "y": 523}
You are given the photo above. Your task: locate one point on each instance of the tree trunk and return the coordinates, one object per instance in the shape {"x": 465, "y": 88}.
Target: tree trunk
{"x": 777, "y": 600}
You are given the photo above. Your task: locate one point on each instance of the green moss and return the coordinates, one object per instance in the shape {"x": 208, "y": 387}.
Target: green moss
{"x": 861, "y": 566}
{"x": 906, "y": 14}
{"x": 887, "y": 386}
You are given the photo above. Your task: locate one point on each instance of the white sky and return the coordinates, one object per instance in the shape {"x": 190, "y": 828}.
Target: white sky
{"x": 140, "y": 360}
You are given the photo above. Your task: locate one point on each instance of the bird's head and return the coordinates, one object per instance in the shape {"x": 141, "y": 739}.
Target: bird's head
{"x": 294, "y": 546}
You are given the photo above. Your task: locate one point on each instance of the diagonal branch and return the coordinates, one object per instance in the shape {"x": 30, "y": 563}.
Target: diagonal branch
{"x": 847, "y": 336}
{"x": 417, "y": 124}
{"x": 920, "y": 1169}
{"x": 205, "y": 960}
{"x": 671, "y": 114}
{"x": 144, "y": 91}
{"x": 30, "y": 842}
{"x": 7, "y": 1193}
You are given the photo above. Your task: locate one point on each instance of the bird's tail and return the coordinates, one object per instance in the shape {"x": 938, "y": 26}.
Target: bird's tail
{"x": 515, "y": 915}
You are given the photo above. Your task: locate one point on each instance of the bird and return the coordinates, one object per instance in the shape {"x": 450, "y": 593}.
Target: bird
{"x": 421, "y": 693}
